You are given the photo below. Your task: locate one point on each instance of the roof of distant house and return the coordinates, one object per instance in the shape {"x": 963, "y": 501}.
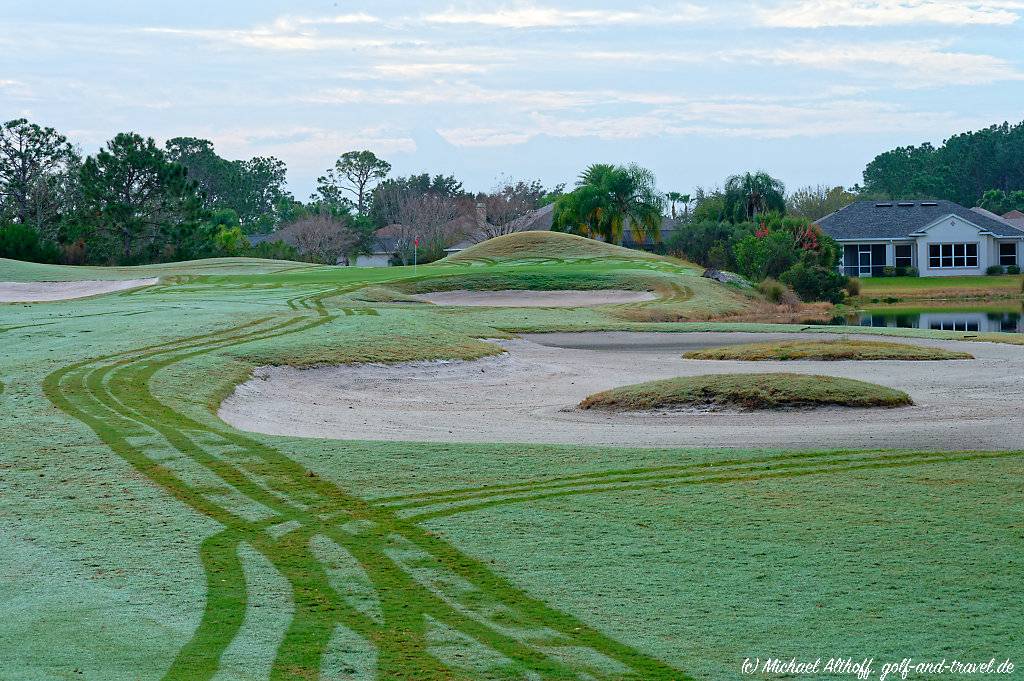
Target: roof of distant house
{"x": 904, "y": 219}
{"x": 1015, "y": 218}
{"x": 257, "y": 239}
{"x": 537, "y": 220}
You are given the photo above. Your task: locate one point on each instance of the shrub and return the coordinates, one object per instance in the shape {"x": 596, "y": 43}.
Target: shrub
{"x": 994, "y": 270}
{"x": 770, "y": 255}
{"x": 813, "y": 282}
{"x": 73, "y": 253}
{"x": 1013, "y": 269}
{"x": 913, "y": 272}
{"x": 888, "y": 271}
{"x": 274, "y": 250}
{"x": 772, "y": 290}
{"x": 853, "y": 286}
{"x": 708, "y": 243}
{"x": 21, "y": 242}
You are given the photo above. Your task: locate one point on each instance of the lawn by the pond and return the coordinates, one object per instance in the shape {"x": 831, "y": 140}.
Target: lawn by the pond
{"x": 999, "y": 286}
{"x": 142, "y": 538}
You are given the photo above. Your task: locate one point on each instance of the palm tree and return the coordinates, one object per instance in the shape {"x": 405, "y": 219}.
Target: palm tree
{"x": 752, "y": 194}
{"x": 673, "y": 198}
{"x": 607, "y": 198}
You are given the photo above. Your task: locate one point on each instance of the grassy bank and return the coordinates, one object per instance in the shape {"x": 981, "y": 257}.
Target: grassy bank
{"x": 875, "y": 289}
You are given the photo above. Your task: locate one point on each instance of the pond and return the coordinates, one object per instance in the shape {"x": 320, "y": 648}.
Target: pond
{"x": 980, "y": 319}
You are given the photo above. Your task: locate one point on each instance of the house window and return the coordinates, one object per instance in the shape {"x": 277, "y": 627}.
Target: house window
{"x": 949, "y": 256}
{"x": 1008, "y": 254}
{"x": 904, "y": 255}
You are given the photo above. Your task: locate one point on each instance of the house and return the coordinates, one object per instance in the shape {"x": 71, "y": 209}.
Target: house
{"x": 384, "y": 249}
{"x": 459, "y": 247}
{"x": 536, "y": 220}
{"x": 1015, "y": 218}
{"x": 938, "y": 238}
{"x": 668, "y": 225}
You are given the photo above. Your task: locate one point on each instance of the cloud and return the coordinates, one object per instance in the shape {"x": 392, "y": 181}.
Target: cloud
{"x": 535, "y": 16}
{"x": 826, "y": 13}
{"x": 271, "y": 38}
{"x": 290, "y": 22}
{"x": 307, "y": 149}
{"x": 753, "y": 120}
{"x": 904, "y": 65}
{"x": 15, "y": 88}
{"x": 898, "y": 64}
{"x": 423, "y": 70}
{"x": 451, "y": 94}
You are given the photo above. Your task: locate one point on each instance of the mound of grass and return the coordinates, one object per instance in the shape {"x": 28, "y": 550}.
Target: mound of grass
{"x": 544, "y": 246}
{"x": 825, "y": 350}
{"x": 747, "y": 391}
{"x": 17, "y": 270}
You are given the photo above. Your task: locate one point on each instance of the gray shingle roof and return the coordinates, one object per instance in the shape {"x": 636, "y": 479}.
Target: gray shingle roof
{"x": 900, "y": 219}
{"x": 257, "y": 239}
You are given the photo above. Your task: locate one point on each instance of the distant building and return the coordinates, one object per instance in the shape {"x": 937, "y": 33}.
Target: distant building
{"x": 938, "y": 238}
{"x": 1015, "y": 218}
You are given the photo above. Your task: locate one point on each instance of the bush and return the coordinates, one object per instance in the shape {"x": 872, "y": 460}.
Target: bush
{"x": 1013, "y": 269}
{"x": 993, "y": 270}
{"x": 888, "y": 271}
{"x": 912, "y": 272}
{"x": 772, "y": 289}
{"x": 708, "y": 243}
{"x": 274, "y": 250}
{"x": 21, "y": 242}
{"x": 853, "y": 287}
{"x": 813, "y": 282}
{"x": 758, "y": 257}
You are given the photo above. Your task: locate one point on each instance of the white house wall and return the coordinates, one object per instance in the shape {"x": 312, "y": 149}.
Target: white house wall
{"x": 953, "y": 229}
{"x": 373, "y": 260}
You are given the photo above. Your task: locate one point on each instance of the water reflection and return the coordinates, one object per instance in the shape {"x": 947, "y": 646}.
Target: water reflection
{"x": 939, "y": 319}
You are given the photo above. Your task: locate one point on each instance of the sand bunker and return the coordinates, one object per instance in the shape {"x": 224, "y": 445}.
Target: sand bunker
{"x": 529, "y": 395}
{"x": 517, "y": 298}
{"x": 46, "y": 291}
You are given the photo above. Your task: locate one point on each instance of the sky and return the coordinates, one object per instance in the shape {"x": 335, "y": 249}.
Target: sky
{"x": 809, "y": 90}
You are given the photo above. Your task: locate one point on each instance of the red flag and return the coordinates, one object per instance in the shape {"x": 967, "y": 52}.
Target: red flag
{"x": 416, "y": 241}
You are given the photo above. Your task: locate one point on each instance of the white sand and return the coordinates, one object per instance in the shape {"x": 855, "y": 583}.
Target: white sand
{"x": 530, "y": 393}
{"x": 47, "y": 291}
{"x": 516, "y": 298}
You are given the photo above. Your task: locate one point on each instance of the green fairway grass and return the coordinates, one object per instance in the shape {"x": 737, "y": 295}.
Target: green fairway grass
{"x": 142, "y": 538}
{"x": 747, "y": 391}
{"x": 827, "y": 350}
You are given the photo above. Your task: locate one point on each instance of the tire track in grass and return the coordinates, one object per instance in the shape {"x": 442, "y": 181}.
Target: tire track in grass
{"x": 462, "y": 501}
{"x": 253, "y": 490}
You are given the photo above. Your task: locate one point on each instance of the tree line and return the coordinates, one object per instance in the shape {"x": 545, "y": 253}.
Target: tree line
{"x": 962, "y": 169}
{"x": 135, "y": 202}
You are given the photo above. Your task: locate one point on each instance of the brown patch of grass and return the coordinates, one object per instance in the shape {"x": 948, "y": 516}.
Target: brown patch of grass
{"x": 761, "y": 311}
